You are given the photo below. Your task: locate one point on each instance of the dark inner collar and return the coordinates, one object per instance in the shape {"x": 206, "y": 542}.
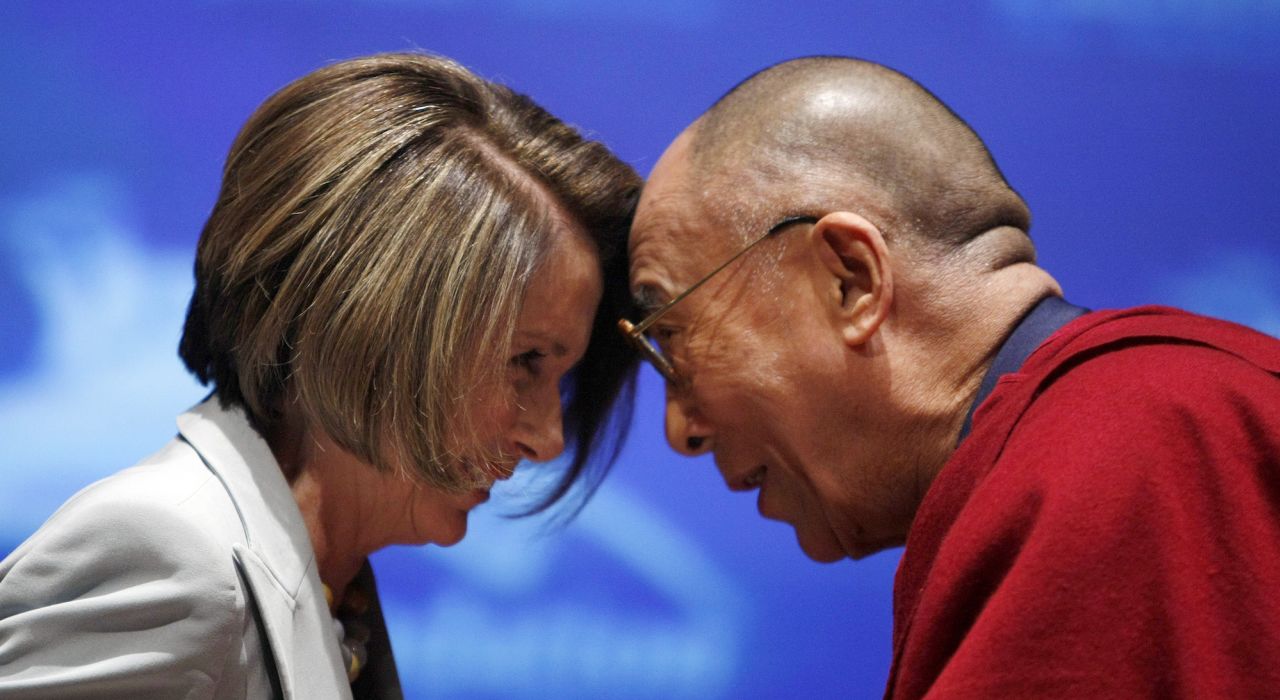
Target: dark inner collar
{"x": 1046, "y": 317}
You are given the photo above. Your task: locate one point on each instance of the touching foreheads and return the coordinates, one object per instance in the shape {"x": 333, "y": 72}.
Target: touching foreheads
{"x": 821, "y": 134}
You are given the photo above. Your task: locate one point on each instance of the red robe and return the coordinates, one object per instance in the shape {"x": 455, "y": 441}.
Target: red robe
{"x": 1110, "y": 528}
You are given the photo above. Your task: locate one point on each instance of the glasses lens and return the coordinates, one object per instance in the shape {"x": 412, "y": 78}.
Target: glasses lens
{"x": 659, "y": 360}
{"x": 653, "y": 354}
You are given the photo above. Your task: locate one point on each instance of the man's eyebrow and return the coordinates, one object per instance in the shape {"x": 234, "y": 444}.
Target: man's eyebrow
{"x": 648, "y": 298}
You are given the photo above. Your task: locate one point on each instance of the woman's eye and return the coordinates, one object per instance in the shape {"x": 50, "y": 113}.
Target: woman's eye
{"x": 528, "y": 361}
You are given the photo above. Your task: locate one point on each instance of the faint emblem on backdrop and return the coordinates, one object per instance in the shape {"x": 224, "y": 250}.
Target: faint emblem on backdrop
{"x": 1235, "y": 31}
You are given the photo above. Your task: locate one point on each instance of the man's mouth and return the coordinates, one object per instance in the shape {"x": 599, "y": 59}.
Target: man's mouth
{"x": 750, "y": 481}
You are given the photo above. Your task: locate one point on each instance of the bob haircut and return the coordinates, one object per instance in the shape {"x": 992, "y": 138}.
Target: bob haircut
{"x": 365, "y": 263}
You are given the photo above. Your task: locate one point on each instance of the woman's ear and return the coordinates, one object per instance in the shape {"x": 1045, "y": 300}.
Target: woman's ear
{"x": 854, "y": 253}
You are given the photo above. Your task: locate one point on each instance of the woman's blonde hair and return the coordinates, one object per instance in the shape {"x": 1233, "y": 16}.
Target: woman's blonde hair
{"x": 378, "y": 222}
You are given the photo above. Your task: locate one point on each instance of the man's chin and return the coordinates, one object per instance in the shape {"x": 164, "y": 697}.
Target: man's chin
{"x": 824, "y": 552}
{"x": 861, "y": 550}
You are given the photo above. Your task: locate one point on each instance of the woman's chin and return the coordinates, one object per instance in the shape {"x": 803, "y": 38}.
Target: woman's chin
{"x": 452, "y": 537}
{"x": 448, "y": 528}
{"x": 447, "y": 531}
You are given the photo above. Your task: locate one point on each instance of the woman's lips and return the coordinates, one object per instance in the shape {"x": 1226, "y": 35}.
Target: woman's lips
{"x": 499, "y": 472}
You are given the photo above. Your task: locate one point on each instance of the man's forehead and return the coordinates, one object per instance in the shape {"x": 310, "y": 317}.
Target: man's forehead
{"x": 664, "y": 215}
{"x": 667, "y": 194}
{"x": 665, "y": 246}
{"x": 666, "y": 234}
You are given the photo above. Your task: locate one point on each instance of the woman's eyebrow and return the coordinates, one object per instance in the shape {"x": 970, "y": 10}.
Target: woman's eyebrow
{"x": 554, "y": 346}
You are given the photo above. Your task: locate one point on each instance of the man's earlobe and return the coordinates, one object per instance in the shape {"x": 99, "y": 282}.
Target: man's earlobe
{"x": 854, "y": 252}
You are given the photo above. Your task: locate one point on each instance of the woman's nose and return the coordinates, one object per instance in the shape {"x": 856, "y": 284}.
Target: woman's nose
{"x": 540, "y": 428}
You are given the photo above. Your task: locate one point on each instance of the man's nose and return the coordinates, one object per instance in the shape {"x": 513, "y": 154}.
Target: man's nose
{"x": 687, "y": 432}
{"x": 540, "y": 428}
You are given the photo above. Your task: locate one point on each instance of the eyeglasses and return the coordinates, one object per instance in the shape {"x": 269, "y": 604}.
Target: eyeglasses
{"x": 636, "y": 333}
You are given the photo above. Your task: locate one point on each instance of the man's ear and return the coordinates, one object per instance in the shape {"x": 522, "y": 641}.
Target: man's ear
{"x": 853, "y": 251}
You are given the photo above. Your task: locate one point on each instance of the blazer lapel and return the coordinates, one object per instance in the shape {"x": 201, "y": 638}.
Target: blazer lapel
{"x": 301, "y": 637}
{"x": 276, "y": 559}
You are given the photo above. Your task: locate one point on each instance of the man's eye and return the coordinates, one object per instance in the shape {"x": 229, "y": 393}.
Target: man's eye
{"x": 662, "y": 334}
{"x": 667, "y": 338}
{"x": 528, "y": 361}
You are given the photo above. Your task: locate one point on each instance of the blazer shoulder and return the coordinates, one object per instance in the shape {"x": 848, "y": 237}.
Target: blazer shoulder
{"x": 131, "y": 584}
{"x": 162, "y": 520}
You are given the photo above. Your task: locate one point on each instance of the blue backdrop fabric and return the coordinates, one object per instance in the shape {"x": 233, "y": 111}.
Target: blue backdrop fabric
{"x": 1141, "y": 133}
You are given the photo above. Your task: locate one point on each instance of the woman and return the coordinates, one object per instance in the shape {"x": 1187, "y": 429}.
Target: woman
{"x": 404, "y": 265}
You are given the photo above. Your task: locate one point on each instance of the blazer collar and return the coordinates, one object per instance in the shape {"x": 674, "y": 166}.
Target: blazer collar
{"x": 235, "y": 452}
{"x": 277, "y": 559}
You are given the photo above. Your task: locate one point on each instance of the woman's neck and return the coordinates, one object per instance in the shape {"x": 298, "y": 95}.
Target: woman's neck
{"x": 330, "y": 486}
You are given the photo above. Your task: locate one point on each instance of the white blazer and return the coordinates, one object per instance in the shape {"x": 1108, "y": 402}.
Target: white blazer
{"x": 190, "y": 575}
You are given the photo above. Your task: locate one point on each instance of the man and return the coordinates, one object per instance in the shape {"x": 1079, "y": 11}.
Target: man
{"x": 1105, "y": 523}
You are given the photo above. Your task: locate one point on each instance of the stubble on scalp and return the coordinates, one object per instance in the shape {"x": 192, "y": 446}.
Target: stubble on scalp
{"x": 821, "y": 134}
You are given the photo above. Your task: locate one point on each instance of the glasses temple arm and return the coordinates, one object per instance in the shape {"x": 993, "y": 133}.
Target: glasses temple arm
{"x": 653, "y": 317}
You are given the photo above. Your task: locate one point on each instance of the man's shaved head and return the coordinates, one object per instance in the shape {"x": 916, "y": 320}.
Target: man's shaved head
{"x": 828, "y": 133}
{"x": 833, "y": 368}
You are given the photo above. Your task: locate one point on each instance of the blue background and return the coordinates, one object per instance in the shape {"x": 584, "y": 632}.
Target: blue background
{"x": 1142, "y": 133}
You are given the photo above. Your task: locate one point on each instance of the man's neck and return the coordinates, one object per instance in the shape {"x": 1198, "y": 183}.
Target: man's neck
{"x": 956, "y": 352}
